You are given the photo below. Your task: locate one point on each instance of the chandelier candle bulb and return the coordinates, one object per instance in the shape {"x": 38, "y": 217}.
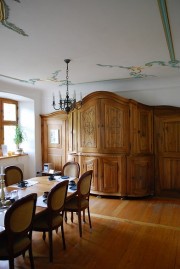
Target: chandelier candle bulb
{"x": 2, "y": 170}
{"x": 2, "y": 188}
{"x": 60, "y": 97}
{"x": 74, "y": 95}
{"x": 53, "y": 99}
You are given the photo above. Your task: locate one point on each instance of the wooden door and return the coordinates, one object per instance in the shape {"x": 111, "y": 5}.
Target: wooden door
{"x": 140, "y": 176}
{"x": 114, "y": 126}
{"x": 53, "y": 142}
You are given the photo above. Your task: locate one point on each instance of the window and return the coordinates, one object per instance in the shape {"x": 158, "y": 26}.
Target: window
{"x": 8, "y": 122}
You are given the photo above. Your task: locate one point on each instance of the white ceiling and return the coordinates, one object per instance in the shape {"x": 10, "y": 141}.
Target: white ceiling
{"x": 105, "y": 40}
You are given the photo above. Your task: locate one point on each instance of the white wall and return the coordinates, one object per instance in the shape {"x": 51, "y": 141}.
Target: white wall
{"x": 20, "y": 161}
{"x": 148, "y": 91}
{"x": 30, "y": 110}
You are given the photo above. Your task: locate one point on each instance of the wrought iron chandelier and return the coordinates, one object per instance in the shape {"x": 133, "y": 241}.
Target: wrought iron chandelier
{"x": 68, "y": 104}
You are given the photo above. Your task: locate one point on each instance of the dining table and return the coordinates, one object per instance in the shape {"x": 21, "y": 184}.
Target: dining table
{"x": 38, "y": 185}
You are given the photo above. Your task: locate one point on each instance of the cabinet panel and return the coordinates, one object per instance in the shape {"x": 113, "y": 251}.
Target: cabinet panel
{"x": 104, "y": 126}
{"x": 114, "y": 126}
{"x": 141, "y": 129}
{"x": 109, "y": 175}
{"x": 167, "y": 134}
{"x": 140, "y": 176}
{"x": 90, "y": 163}
{"x": 88, "y": 128}
{"x": 168, "y": 182}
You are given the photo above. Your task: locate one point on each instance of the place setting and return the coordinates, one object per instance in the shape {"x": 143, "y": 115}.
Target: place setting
{"x": 24, "y": 184}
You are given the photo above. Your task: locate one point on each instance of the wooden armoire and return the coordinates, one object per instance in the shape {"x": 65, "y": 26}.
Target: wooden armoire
{"x": 120, "y": 139}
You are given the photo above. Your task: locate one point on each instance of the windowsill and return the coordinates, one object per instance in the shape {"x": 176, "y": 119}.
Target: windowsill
{"x": 12, "y": 156}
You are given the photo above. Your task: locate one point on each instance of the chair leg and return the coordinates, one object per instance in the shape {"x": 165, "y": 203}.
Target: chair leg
{"x": 11, "y": 263}
{"x": 89, "y": 217}
{"x": 63, "y": 238}
{"x": 72, "y": 217}
{"x": 65, "y": 216}
{"x": 80, "y": 226}
{"x": 23, "y": 254}
{"x": 44, "y": 235}
{"x": 50, "y": 246}
{"x": 31, "y": 257}
{"x": 84, "y": 216}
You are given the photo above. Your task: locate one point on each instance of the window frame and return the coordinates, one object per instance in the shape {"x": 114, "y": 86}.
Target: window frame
{"x": 6, "y": 122}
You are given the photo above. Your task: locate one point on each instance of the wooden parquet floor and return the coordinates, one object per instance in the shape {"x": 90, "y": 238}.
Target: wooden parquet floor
{"x": 126, "y": 234}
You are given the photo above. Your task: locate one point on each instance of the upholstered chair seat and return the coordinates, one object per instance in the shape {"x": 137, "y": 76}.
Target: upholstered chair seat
{"x": 41, "y": 221}
{"x": 20, "y": 242}
{"x": 72, "y": 204}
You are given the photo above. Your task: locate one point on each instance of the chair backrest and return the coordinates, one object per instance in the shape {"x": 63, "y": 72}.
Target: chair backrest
{"x": 84, "y": 185}
{"x": 19, "y": 217}
{"x": 71, "y": 169}
{"x": 13, "y": 175}
{"x": 57, "y": 197}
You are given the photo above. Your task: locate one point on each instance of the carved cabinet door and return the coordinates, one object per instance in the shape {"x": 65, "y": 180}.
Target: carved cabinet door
{"x": 104, "y": 126}
{"x": 114, "y": 126}
{"x": 89, "y": 140}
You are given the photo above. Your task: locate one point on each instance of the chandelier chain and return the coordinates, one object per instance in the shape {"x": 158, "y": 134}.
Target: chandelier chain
{"x": 67, "y": 104}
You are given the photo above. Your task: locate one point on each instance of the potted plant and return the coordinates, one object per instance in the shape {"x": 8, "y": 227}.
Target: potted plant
{"x": 19, "y": 138}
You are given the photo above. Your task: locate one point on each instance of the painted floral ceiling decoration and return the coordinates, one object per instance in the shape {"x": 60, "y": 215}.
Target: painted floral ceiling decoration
{"x": 139, "y": 71}
{"x": 4, "y": 16}
{"x": 105, "y": 40}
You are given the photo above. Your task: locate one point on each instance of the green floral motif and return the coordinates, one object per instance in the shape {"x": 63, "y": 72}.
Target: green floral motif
{"x": 173, "y": 64}
{"x": 134, "y": 71}
{"x": 53, "y": 78}
{"x": 137, "y": 71}
{"x": 4, "y": 15}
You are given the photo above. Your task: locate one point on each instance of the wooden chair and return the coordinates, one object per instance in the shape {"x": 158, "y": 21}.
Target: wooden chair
{"x": 71, "y": 169}
{"x": 17, "y": 236}
{"x": 80, "y": 200}
{"x": 13, "y": 175}
{"x": 52, "y": 217}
